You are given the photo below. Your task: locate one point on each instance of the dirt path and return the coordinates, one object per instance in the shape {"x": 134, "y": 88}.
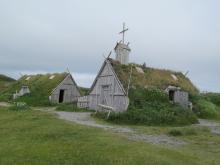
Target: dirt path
{"x": 213, "y": 126}
{"x": 132, "y": 134}
{"x": 4, "y": 104}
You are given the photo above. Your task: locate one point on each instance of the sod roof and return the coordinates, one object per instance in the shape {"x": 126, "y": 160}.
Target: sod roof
{"x": 151, "y": 77}
{"x": 40, "y": 85}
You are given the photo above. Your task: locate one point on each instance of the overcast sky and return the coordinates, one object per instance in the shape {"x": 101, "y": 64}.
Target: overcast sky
{"x": 38, "y": 36}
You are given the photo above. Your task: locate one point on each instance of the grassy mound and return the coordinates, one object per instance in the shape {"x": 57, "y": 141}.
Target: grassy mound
{"x": 5, "y": 82}
{"x": 40, "y": 86}
{"x": 6, "y": 78}
{"x": 206, "y": 109}
{"x": 212, "y": 97}
{"x": 207, "y": 105}
{"x": 151, "y": 107}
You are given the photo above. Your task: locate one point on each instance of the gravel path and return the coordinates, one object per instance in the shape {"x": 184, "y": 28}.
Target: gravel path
{"x": 4, "y": 104}
{"x": 213, "y": 126}
{"x": 132, "y": 134}
{"x": 84, "y": 118}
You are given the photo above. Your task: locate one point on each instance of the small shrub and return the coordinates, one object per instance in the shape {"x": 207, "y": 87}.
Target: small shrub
{"x": 19, "y": 106}
{"x": 212, "y": 97}
{"x": 190, "y": 131}
{"x": 175, "y": 132}
{"x": 206, "y": 109}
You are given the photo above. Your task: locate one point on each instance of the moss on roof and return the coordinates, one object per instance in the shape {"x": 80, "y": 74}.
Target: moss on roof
{"x": 40, "y": 86}
{"x": 151, "y": 77}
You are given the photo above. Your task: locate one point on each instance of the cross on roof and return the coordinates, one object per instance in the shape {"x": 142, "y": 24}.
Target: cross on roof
{"x": 123, "y": 33}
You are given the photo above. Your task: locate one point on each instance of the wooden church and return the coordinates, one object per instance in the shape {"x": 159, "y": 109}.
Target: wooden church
{"x": 107, "y": 91}
{"x": 110, "y": 88}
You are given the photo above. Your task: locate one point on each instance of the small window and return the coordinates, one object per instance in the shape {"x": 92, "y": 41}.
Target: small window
{"x": 106, "y": 87}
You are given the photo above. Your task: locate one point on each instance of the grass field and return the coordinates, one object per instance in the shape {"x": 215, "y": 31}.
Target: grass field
{"x": 35, "y": 137}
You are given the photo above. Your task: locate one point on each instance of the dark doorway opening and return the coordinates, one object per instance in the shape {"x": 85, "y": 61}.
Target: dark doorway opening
{"x": 61, "y": 96}
{"x": 171, "y": 95}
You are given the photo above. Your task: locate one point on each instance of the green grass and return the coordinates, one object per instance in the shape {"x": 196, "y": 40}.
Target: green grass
{"x": 206, "y": 109}
{"x": 187, "y": 131}
{"x": 150, "y": 107}
{"x": 71, "y": 108}
{"x": 5, "y": 82}
{"x": 19, "y": 106}
{"x": 6, "y": 78}
{"x": 212, "y": 97}
{"x": 35, "y": 137}
{"x": 40, "y": 86}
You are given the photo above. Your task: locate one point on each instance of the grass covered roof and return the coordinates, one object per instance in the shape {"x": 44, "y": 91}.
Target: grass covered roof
{"x": 40, "y": 85}
{"x": 145, "y": 77}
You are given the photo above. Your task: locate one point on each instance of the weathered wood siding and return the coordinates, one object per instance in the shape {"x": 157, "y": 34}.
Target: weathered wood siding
{"x": 107, "y": 91}
{"x": 181, "y": 98}
{"x": 71, "y": 92}
{"x": 83, "y": 102}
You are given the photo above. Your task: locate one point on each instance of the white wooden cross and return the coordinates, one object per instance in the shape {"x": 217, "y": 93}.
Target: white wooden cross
{"x": 123, "y": 33}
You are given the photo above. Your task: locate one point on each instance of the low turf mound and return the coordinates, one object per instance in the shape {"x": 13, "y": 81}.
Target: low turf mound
{"x": 4, "y": 78}
{"x": 207, "y": 105}
{"x": 151, "y": 107}
{"x": 5, "y": 82}
{"x": 150, "y": 77}
{"x": 40, "y": 86}
{"x": 212, "y": 97}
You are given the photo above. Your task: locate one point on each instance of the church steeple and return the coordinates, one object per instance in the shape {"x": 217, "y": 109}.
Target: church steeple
{"x": 122, "y": 50}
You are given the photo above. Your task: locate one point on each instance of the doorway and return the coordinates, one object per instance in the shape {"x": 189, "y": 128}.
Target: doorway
{"x": 105, "y": 95}
{"x": 171, "y": 95}
{"x": 61, "y": 96}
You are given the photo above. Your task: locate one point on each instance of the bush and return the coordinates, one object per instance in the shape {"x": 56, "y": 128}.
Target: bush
{"x": 151, "y": 107}
{"x": 206, "y": 109}
{"x": 188, "y": 131}
{"x": 175, "y": 132}
{"x": 18, "y": 106}
{"x": 212, "y": 97}
{"x": 151, "y": 116}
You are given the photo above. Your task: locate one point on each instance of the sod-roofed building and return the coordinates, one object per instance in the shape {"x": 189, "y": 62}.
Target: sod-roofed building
{"x": 110, "y": 89}
{"x": 45, "y": 89}
{"x": 111, "y": 86}
{"x": 66, "y": 92}
{"x": 107, "y": 91}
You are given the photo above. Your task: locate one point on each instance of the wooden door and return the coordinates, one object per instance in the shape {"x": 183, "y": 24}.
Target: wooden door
{"x": 106, "y": 95}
